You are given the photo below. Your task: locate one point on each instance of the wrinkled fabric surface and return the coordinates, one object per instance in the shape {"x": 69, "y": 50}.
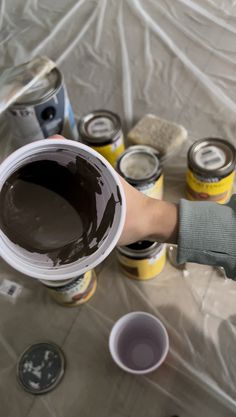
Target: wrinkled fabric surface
{"x": 175, "y": 59}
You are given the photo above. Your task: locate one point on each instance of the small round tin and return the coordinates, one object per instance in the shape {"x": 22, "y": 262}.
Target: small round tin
{"x": 73, "y": 292}
{"x": 101, "y": 130}
{"x": 142, "y": 260}
{"x": 211, "y": 170}
{"x": 44, "y": 110}
{"x": 141, "y": 167}
{"x": 40, "y": 367}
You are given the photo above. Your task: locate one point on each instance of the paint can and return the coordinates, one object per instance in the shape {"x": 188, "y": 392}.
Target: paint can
{"x": 142, "y": 260}
{"x": 211, "y": 170}
{"x": 141, "y": 167}
{"x": 73, "y": 292}
{"x": 42, "y": 111}
{"x": 101, "y": 129}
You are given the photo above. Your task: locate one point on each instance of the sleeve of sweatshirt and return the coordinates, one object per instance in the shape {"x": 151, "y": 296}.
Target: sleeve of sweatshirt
{"x": 207, "y": 234}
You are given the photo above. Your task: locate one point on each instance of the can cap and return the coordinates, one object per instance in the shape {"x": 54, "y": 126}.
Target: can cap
{"x": 212, "y": 157}
{"x": 99, "y": 127}
{"x": 40, "y": 367}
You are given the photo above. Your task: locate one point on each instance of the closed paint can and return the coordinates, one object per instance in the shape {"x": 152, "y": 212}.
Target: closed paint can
{"x": 141, "y": 167}
{"x": 44, "y": 110}
{"x": 142, "y": 260}
{"x": 101, "y": 130}
{"x": 211, "y": 170}
{"x": 73, "y": 292}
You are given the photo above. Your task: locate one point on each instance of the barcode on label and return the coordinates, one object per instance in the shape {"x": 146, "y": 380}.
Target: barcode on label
{"x": 10, "y": 289}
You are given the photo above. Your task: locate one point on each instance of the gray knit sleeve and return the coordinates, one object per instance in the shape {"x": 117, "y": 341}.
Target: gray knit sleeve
{"x": 207, "y": 234}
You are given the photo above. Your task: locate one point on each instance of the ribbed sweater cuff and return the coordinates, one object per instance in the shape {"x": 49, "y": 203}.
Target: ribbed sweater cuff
{"x": 207, "y": 233}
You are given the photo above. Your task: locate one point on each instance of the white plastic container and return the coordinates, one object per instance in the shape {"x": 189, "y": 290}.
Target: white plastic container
{"x": 65, "y": 151}
{"x": 138, "y": 343}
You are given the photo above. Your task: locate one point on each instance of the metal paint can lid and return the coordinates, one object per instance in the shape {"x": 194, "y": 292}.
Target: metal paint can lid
{"x": 40, "y": 367}
{"x": 17, "y": 81}
{"x": 43, "y": 89}
{"x": 99, "y": 127}
{"x": 212, "y": 156}
{"x": 139, "y": 164}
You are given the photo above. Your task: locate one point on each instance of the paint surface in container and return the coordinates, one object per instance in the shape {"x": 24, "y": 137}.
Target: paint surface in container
{"x": 211, "y": 170}
{"x": 101, "y": 129}
{"x": 73, "y": 292}
{"x": 142, "y": 260}
{"x": 48, "y": 208}
{"x": 42, "y": 111}
{"x": 141, "y": 167}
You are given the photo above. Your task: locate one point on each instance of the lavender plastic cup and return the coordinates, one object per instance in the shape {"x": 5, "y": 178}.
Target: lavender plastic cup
{"x": 138, "y": 343}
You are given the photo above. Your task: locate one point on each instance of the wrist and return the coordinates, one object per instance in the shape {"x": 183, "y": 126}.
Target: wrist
{"x": 162, "y": 221}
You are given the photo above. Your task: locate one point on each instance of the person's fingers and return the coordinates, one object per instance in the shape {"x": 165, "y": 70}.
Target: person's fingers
{"x": 56, "y": 137}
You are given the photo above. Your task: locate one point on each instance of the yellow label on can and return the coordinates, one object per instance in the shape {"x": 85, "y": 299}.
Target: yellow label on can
{"x": 111, "y": 151}
{"x": 219, "y": 190}
{"x": 75, "y": 292}
{"x": 143, "y": 269}
{"x": 156, "y": 190}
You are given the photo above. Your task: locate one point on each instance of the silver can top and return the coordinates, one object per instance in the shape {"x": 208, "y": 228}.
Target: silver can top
{"x": 99, "y": 127}
{"x": 139, "y": 164}
{"x": 17, "y": 81}
{"x": 43, "y": 89}
{"x": 212, "y": 156}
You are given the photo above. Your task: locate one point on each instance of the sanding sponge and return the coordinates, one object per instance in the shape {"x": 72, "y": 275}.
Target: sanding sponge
{"x": 161, "y": 134}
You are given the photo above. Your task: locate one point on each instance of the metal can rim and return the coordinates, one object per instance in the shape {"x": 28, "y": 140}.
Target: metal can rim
{"x": 59, "y": 377}
{"x": 46, "y": 96}
{"x": 157, "y": 171}
{"x": 105, "y": 138}
{"x": 153, "y": 249}
{"x": 223, "y": 144}
{"x": 56, "y": 284}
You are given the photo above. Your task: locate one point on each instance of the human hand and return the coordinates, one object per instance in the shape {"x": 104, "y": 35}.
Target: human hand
{"x": 148, "y": 218}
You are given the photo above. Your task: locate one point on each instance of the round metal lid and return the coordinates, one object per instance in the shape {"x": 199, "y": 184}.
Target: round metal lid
{"x": 140, "y": 249}
{"x": 99, "y": 126}
{"x": 139, "y": 164}
{"x": 40, "y": 367}
{"x": 43, "y": 89}
{"x": 212, "y": 156}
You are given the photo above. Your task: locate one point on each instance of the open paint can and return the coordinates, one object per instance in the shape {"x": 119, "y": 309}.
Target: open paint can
{"x": 141, "y": 166}
{"x": 142, "y": 260}
{"x": 62, "y": 209}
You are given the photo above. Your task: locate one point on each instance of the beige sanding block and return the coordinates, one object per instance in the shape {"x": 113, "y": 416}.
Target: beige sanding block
{"x": 159, "y": 133}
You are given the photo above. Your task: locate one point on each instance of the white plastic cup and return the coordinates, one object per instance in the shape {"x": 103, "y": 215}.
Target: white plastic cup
{"x": 138, "y": 343}
{"x": 65, "y": 151}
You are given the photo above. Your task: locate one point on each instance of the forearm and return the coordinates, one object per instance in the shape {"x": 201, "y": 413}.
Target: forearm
{"x": 163, "y": 221}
